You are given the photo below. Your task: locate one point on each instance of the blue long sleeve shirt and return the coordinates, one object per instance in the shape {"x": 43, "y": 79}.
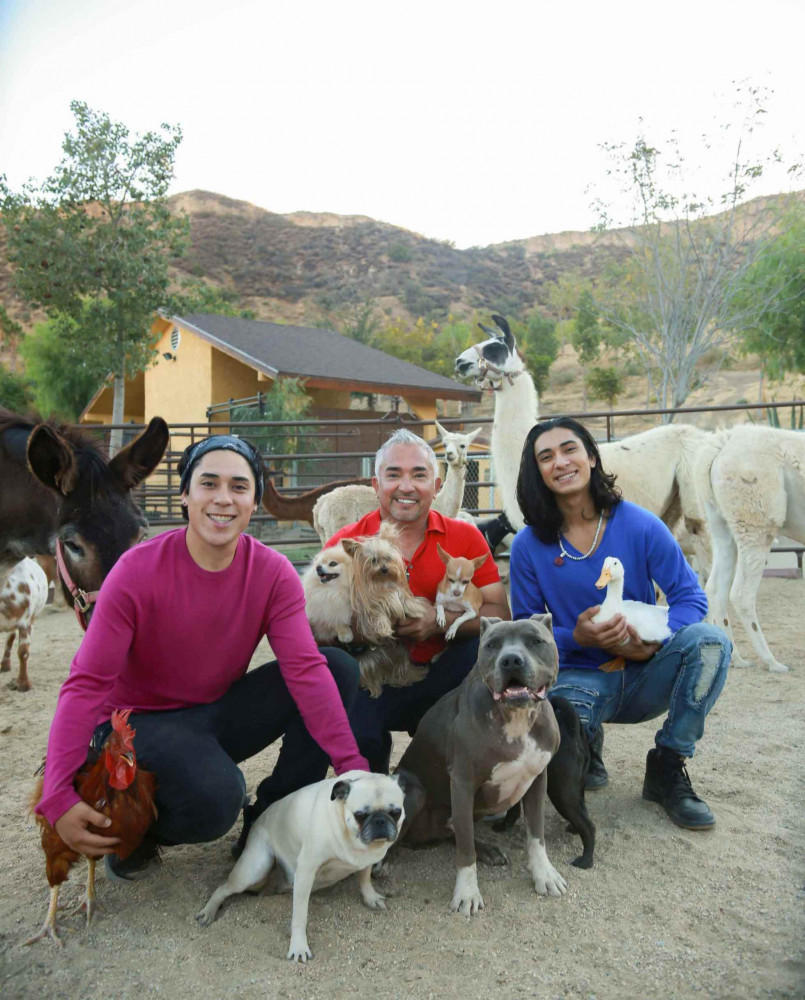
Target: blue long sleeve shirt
{"x": 649, "y": 553}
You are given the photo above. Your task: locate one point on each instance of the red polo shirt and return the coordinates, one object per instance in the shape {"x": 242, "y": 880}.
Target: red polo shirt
{"x": 426, "y": 569}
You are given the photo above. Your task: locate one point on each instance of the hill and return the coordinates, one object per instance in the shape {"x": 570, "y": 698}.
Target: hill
{"x": 305, "y": 266}
{"x": 308, "y": 268}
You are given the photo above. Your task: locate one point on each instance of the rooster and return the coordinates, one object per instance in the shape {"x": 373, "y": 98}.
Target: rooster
{"x": 111, "y": 783}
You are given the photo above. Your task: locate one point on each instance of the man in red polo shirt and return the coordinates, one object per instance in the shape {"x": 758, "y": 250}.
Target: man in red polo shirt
{"x": 406, "y": 480}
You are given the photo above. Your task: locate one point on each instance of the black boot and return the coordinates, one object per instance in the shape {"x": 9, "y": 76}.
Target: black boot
{"x": 597, "y": 776}
{"x": 668, "y": 784}
{"x": 124, "y": 869}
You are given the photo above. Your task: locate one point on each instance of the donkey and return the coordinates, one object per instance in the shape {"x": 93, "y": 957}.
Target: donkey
{"x": 61, "y": 496}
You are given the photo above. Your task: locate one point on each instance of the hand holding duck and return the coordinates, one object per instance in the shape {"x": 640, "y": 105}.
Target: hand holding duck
{"x": 650, "y": 621}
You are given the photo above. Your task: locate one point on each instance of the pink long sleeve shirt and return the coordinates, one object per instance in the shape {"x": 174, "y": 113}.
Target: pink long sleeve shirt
{"x": 167, "y": 634}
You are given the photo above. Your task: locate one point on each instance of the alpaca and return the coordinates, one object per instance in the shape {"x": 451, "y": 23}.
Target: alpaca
{"x": 23, "y": 593}
{"x": 654, "y": 468}
{"x": 752, "y": 485}
{"x": 349, "y": 504}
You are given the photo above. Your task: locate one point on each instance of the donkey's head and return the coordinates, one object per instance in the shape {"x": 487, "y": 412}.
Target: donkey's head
{"x": 97, "y": 518}
{"x": 492, "y": 358}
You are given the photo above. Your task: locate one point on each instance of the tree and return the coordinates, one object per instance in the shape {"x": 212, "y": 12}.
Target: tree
{"x": 92, "y": 245}
{"x": 63, "y": 375}
{"x": 15, "y": 391}
{"x": 778, "y": 334}
{"x": 536, "y": 339}
{"x": 605, "y": 383}
{"x": 287, "y": 401}
{"x": 11, "y": 332}
{"x": 676, "y": 296}
{"x": 361, "y": 322}
{"x": 587, "y": 337}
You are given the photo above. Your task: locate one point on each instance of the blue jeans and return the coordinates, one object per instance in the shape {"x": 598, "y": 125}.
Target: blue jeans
{"x": 684, "y": 678}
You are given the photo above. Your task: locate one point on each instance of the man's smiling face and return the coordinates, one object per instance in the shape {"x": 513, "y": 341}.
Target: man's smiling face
{"x": 563, "y": 461}
{"x": 406, "y": 484}
{"x": 220, "y": 498}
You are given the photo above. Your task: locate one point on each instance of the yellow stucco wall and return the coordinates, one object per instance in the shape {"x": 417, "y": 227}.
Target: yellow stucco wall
{"x": 232, "y": 379}
{"x": 133, "y": 404}
{"x": 180, "y": 390}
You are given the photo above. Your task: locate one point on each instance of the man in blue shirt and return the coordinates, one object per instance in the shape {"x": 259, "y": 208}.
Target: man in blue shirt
{"x": 575, "y": 518}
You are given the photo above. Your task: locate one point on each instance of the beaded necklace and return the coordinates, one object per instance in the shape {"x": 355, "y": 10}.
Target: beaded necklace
{"x": 560, "y": 561}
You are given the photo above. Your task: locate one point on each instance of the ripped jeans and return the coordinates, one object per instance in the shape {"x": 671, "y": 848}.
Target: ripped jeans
{"x": 684, "y": 678}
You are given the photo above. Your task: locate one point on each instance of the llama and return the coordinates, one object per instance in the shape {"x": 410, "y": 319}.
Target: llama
{"x": 654, "y": 468}
{"x": 23, "y": 594}
{"x": 349, "y": 504}
{"x": 752, "y": 485}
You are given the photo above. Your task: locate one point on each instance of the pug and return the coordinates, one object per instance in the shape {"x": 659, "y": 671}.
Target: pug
{"x": 315, "y": 837}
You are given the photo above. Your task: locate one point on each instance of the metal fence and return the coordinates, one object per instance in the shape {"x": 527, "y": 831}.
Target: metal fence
{"x": 327, "y": 450}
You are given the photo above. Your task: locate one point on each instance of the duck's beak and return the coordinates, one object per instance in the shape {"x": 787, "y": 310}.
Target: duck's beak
{"x": 604, "y": 579}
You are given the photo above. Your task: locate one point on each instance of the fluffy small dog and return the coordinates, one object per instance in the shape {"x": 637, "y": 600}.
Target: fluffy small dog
{"x": 327, "y": 583}
{"x": 380, "y": 598}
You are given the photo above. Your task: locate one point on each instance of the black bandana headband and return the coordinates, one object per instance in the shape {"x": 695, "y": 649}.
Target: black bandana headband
{"x": 222, "y": 442}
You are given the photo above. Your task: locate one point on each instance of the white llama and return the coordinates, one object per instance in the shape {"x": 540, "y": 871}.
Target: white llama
{"x": 654, "y": 469}
{"x": 752, "y": 484}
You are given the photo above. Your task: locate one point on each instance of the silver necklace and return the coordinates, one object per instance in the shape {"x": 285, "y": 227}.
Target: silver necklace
{"x": 560, "y": 561}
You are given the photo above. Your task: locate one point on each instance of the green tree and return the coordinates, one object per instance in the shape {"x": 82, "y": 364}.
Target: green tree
{"x": 199, "y": 297}
{"x": 361, "y": 322}
{"x": 536, "y": 339}
{"x": 11, "y": 332}
{"x": 778, "y": 281}
{"x": 587, "y": 337}
{"x": 677, "y": 295}
{"x": 63, "y": 376}
{"x": 287, "y": 401}
{"x": 605, "y": 383}
{"x": 93, "y": 243}
{"x": 15, "y": 390}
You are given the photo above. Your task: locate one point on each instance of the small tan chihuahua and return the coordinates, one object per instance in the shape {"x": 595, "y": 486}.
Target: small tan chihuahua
{"x": 456, "y": 591}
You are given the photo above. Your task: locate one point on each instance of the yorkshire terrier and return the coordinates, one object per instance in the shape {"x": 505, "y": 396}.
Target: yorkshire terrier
{"x": 380, "y": 598}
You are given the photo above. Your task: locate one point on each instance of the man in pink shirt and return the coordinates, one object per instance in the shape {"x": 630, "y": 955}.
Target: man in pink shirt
{"x": 175, "y": 626}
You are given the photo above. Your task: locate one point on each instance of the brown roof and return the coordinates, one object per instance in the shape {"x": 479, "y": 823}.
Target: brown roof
{"x": 306, "y": 352}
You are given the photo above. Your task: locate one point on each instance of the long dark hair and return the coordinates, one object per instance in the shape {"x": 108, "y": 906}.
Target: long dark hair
{"x": 538, "y": 504}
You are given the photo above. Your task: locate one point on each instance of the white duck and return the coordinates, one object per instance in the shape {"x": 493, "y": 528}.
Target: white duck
{"x": 649, "y": 620}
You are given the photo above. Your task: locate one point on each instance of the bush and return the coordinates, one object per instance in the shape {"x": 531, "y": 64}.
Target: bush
{"x": 400, "y": 253}
{"x": 15, "y": 391}
{"x": 605, "y": 383}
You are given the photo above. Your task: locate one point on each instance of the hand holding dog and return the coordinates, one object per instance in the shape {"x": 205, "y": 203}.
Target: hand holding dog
{"x": 419, "y": 629}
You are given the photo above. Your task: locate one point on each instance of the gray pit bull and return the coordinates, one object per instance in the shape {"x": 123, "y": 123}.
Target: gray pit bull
{"x": 485, "y": 746}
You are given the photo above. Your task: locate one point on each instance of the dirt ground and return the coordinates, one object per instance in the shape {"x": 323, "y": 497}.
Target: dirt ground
{"x": 664, "y": 913}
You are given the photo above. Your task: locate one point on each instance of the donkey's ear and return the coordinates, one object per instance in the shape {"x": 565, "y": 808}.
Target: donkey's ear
{"x": 505, "y": 331}
{"x": 138, "y": 460}
{"x": 51, "y": 459}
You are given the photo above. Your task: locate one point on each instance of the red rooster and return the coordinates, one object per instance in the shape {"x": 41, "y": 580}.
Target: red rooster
{"x": 111, "y": 783}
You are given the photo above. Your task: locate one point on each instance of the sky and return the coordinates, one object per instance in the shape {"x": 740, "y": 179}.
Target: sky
{"x": 463, "y": 121}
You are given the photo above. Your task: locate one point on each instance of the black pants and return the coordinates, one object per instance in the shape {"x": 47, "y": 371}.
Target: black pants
{"x": 400, "y": 709}
{"x": 194, "y": 752}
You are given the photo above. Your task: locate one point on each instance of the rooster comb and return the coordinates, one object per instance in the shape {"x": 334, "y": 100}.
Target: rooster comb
{"x": 120, "y": 724}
